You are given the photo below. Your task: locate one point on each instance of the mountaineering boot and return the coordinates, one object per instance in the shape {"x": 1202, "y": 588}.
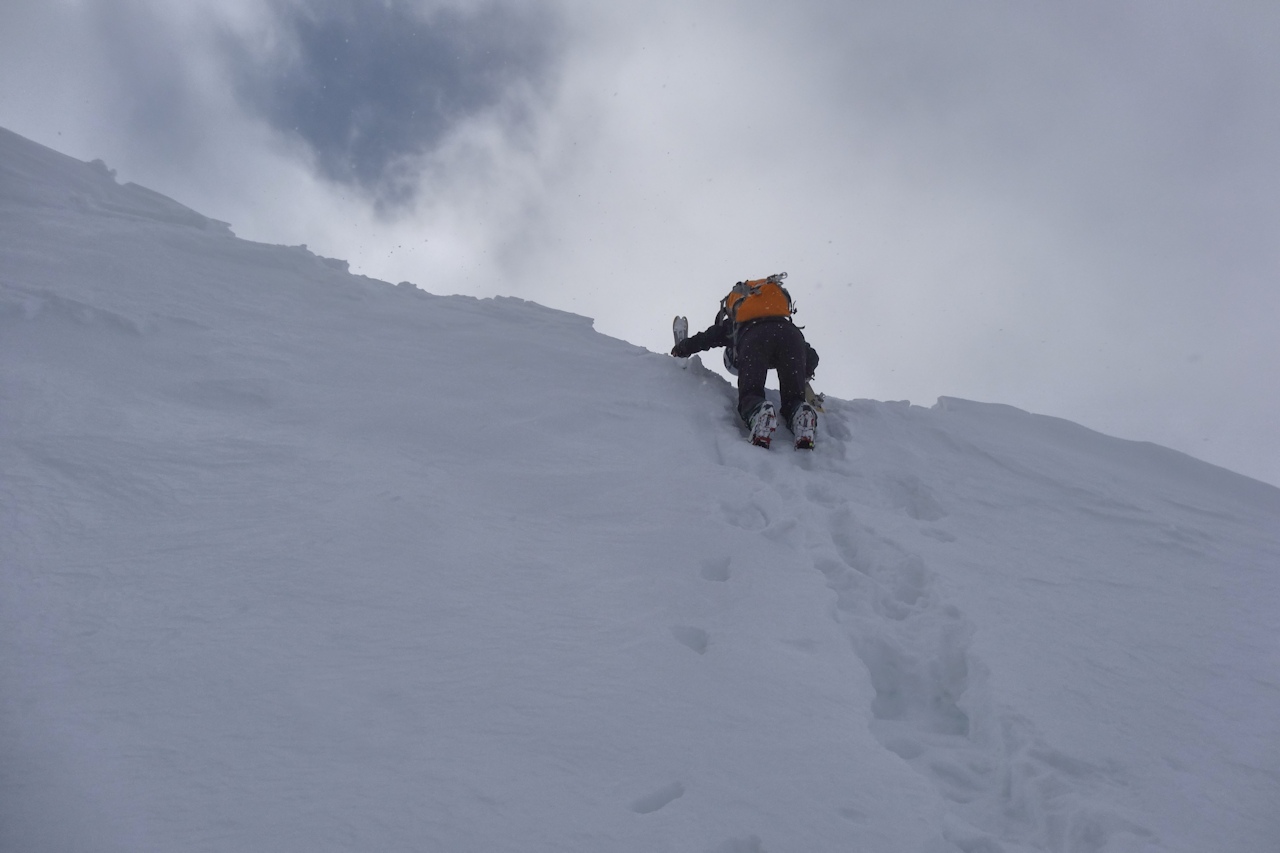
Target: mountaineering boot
{"x": 763, "y": 422}
{"x": 804, "y": 425}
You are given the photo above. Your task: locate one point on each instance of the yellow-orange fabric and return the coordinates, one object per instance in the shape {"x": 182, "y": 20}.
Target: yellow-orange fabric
{"x": 752, "y": 300}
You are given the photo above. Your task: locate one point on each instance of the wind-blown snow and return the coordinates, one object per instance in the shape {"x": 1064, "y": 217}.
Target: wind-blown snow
{"x": 294, "y": 560}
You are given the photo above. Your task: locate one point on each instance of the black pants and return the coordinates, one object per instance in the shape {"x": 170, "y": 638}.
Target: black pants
{"x": 769, "y": 346}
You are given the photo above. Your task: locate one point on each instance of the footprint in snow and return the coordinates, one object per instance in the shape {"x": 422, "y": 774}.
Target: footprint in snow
{"x": 650, "y": 803}
{"x": 908, "y": 493}
{"x": 747, "y": 516}
{"x": 716, "y": 569}
{"x": 750, "y": 844}
{"x": 695, "y": 638}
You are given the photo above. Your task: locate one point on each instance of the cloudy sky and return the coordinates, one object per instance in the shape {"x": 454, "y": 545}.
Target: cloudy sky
{"x": 1073, "y": 208}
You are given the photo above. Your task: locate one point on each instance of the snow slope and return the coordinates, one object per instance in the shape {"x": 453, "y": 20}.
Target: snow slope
{"x": 293, "y": 560}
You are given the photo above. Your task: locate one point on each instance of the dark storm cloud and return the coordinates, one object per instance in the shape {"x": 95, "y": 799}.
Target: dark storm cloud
{"x": 367, "y": 85}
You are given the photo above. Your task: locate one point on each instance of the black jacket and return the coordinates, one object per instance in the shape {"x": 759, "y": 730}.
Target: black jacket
{"x": 718, "y": 334}
{"x": 721, "y": 334}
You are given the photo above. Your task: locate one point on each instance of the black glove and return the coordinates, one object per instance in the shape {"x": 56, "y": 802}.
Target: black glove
{"x": 682, "y": 349}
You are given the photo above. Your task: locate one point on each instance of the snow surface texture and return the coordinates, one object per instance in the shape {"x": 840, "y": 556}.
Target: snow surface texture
{"x": 294, "y": 560}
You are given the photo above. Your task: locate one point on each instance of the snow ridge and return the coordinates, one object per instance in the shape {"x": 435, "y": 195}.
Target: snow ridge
{"x": 300, "y": 561}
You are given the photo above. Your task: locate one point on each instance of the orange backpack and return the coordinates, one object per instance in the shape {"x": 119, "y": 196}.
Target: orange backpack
{"x": 761, "y": 297}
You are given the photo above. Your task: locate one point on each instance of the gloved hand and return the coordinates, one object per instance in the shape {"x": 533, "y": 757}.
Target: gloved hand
{"x": 682, "y": 349}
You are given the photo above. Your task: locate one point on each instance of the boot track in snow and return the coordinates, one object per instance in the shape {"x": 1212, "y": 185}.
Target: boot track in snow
{"x": 1005, "y": 788}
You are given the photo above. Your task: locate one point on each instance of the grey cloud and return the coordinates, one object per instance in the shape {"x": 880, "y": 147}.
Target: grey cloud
{"x": 1070, "y": 208}
{"x": 153, "y": 93}
{"x": 366, "y": 85}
